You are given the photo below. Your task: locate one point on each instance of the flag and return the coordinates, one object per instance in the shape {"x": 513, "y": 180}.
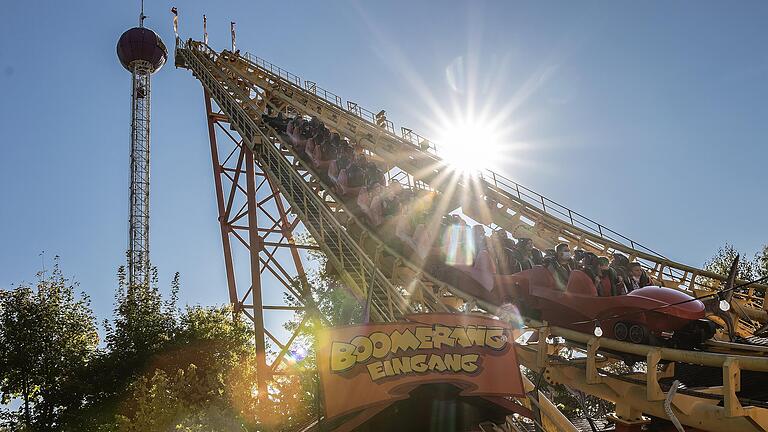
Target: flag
{"x": 232, "y": 28}
{"x": 175, "y": 13}
{"x": 205, "y": 30}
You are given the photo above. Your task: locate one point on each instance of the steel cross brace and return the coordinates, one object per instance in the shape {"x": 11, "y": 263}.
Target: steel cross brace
{"x": 260, "y": 227}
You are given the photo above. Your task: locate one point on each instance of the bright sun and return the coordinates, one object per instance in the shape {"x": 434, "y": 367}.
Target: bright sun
{"x": 469, "y": 146}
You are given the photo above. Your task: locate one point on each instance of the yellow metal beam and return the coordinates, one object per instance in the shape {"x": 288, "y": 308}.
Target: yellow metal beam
{"x": 498, "y": 200}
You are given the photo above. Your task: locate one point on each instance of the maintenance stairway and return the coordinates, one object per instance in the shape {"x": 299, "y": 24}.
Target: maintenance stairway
{"x": 392, "y": 286}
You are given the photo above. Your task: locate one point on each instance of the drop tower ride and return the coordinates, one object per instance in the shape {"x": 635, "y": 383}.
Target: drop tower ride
{"x": 142, "y": 53}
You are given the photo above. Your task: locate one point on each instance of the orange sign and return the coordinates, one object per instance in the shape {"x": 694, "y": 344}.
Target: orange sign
{"x": 366, "y": 365}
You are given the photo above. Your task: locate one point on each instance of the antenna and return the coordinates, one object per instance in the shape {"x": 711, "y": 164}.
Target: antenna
{"x": 141, "y": 15}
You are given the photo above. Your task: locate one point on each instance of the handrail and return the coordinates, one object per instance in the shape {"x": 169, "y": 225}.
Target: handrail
{"x": 562, "y": 212}
{"x": 703, "y": 358}
{"x": 328, "y": 224}
{"x": 282, "y": 73}
{"x": 312, "y": 87}
{"x": 500, "y": 181}
{"x": 267, "y": 148}
{"x": 523, "y": 193}
{"x": 527, "y": 196}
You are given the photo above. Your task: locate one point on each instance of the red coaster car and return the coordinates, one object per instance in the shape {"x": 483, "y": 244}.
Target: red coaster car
{"x": 651, "y": 315}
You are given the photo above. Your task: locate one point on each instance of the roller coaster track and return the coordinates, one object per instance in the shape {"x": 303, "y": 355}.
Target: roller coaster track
{"x": 490, "y": 198}
{"x": 404, "y": 289}
{"x": 391, "y": 285}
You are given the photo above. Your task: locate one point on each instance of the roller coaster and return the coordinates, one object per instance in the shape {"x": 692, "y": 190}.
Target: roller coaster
{"x": 265, "y": 189}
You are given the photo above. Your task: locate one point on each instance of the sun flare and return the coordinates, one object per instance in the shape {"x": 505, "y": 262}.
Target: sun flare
{"x": 470, "y": 145}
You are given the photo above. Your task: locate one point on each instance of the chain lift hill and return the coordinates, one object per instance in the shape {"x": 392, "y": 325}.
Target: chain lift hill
{"x": 265, "y": 192}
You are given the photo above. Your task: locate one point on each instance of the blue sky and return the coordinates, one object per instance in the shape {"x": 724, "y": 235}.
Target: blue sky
{"x": 648, "y": 117}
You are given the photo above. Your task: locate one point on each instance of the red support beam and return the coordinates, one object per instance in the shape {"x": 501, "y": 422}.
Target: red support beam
{"x": 263, "y": 374}
{"x": 225, "y": 229}
{"x": 239, "y": 203}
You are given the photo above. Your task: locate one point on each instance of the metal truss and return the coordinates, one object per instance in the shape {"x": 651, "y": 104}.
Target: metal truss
{"x": 392, "y": 286}
{"x": 591, "y": 368}
{"x": 262, "y": 258}
{"x": 255, "y": 160}
{"x": 491, "y": 198}
{"x": 138, "y": 220}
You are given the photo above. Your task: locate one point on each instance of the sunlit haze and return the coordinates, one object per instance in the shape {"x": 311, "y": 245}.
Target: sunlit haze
{"x": 470, "y": 145}
{"x": 648, "y": 119}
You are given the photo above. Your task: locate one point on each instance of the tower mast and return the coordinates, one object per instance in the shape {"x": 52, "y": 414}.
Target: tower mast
{"x": 141, "y": 52}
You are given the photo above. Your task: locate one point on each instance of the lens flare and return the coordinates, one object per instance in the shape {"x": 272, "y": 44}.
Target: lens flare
{"x": 469, "y": 145}
{"x": 299, "y": 353}
{"x": 510, "y": 313}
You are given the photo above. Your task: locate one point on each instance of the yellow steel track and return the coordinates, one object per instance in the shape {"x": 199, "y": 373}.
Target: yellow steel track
{"x": 243, "y": 86}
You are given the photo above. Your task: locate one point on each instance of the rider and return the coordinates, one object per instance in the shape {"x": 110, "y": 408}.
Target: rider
{"x": 561, "y": 265}
{"x": 609, "y": 283}
{"x": 523, "y": 255}
{"x": 638, "y": 278}
{"x": 590, "y": 266}
{"x": 620, "y": 264}
{"x": 503, "y": 249}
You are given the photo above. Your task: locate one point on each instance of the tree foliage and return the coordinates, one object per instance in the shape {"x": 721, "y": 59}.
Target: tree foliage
{"x": 761, "y": 262}
{"x": 160, "y": 368}
{"x": 47, "y": 338}
{"x": 143, "y": 324}
{"x": 203, "y": 381}
{"x": 167, "y": 369}
{"x": 721, "y": 262}
{"x": 748, "y": 269}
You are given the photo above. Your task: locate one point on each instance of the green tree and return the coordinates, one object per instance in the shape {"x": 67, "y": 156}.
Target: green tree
{"x": 761, "y": 262}
{"x": 165, "y": 369}
{"x": 47, "y": 337}
{"x": 180, "y": 401}
{"x": 143, "y": 326}
{"x": 748, "y": 269}
{"x": 204, "y": 379}
{"x": 160, "y": 368}
{"x": 330, "y": 304}
{"x": 721, "y": 262}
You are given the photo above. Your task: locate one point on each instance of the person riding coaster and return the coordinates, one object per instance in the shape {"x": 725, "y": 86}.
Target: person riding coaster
{"x": 467, "y": 259}
{"x": 650, "y": 315}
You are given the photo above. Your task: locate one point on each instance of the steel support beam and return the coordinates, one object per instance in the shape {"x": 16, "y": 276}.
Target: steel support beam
{"x": 224, "y": 226}
{"x": 254, "y": 240}
{"x": 239, "y": 184}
